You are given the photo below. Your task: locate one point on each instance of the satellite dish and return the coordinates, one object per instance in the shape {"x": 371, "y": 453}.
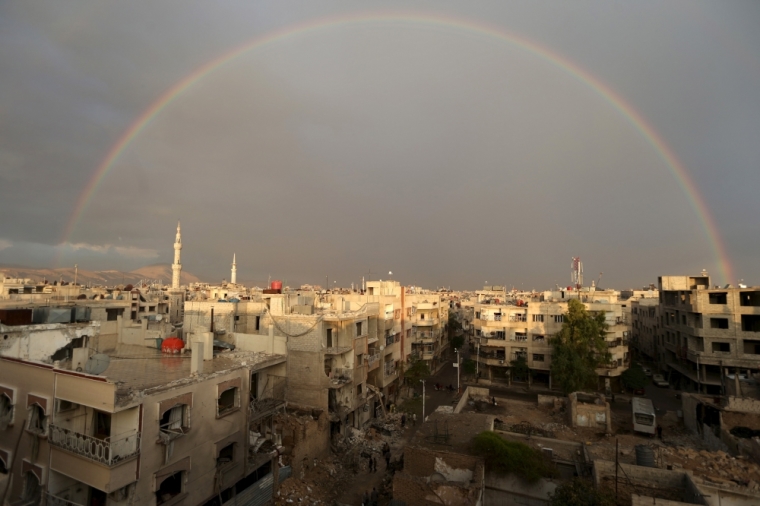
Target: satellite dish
{"x": 97, "y": 364}
{"x": 159, "y": 317}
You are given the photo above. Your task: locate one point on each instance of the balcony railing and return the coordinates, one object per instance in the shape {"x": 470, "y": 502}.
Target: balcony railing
{"x": 520, "y": 338}
{"x": 518, "y": 319}
{"x": 373, "y": 361}
{"x": 109, "y": 451}
{"x": 54, "y": 500}
{"x": 390, "y": 370}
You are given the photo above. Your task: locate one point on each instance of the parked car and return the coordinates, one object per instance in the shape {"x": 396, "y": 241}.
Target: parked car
{"x": 647, "y": 371}
{"x": 660, "y": 381}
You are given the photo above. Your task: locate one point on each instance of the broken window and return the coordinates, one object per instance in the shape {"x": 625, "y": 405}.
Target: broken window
{"x": 101, "y": 425}
{"x": 173, "y": 422}
{"x": 226, "y": 455}
{"x": 258, "y": 322}
{"x": 718, "y": 298}
{"x": 718, "y": 323}
{"x": 750, "y": 323}
{"x": 751, "y": 347}
{"x": 358, "y": 329}
{"x": 750, "y": 299}
{"x": 329, "y": 337}
{"x": 37, "y": 420}
{"x": 169, "y": 488}
{"x": 721, "y": 347}
{"x": 227, "y": 401}
{"x": 6, "y": 411}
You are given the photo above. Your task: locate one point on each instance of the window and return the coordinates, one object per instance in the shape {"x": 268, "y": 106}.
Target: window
{"x": 3, "y": 466}
{"x": 358, "y": 390}
{"x": 228, "y": 401}
{"x": 538, "y": 357}
{"x": 151, "y": 308}
{"x": 559, "y": 318}
{"x": 718, "y": 323}
{"x": 683, "y": 319}
{"x": 170, "y": 488}
{"x": 226, "y": 455}
{"x": 358, "y": 329}
{"x": 37, "y": 420}
{"x": 258, "y": 322}
{"x": 329, "y": 337}
{"x": 32, "y": 493}
{"x": 538, "y": 318}
{"x": 6, "y": 411}
{"x": 750, "y": 323}
{"x": 718, "y": 298}
{"x": 174, "y": 422}
{"x": 721, "y": 347}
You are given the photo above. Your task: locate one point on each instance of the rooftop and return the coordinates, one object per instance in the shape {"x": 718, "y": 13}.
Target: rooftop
{"x": 140, "y": 369}
{"x": 451, "y": 432}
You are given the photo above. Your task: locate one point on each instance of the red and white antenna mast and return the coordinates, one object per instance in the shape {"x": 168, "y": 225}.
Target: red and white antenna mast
{"x": 576, "y": 273}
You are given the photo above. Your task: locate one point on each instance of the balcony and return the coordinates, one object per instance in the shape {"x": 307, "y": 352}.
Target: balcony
{"x": 520, "y": 338}
{"x": 109, "y": 451}
{"x": 360, "y": 374}
{"x": 426, "y": 322}
{"x": 54, "y": 500}
{"x": 389, "y": 370}
{"x": 338, "y": 350}
{"x": 492, "y": 360}
{"x": 373, "y": 362}
{"x": 340, "y": 376}
{"x": 271, "y": 399}
{"x": 518, "y": 319}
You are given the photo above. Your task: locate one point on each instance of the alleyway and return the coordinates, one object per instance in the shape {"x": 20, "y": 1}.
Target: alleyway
{"x": 447, "y": 375}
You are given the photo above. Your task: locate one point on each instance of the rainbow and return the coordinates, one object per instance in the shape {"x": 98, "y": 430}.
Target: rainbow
{"x": 479, "y": 28}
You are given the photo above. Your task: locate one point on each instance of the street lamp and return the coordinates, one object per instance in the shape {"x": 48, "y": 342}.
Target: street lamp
{"x": 458, "y": 367}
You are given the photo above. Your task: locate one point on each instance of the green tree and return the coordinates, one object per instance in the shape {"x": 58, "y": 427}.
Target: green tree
{"x": 419, "y": 370}
{"x": 580, "y": 492}
{"x": 519, "y": 368}
{"x": 469, "y": 367}
{"x": 579, "y": 348}
{"x": 505, "y": 457}
{"x": 457, "y": 342}
{"x": 634, "y": 378}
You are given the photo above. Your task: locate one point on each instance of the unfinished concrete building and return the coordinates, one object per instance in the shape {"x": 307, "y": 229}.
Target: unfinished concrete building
{"x": 709, "y": 336}
{"x": 522, "y": 324}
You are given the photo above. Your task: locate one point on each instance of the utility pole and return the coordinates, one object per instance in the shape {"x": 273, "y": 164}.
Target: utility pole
{"x": 423, "y": 399}
{"x": 458, "y": 367}
{"x": 477, "y": 361}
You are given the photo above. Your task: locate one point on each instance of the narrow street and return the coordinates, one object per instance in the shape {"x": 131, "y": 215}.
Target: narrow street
{"x": 446, "y": 375}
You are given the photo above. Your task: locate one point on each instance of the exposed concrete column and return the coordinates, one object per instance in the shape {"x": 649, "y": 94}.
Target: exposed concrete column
{"x": 738, "y": 392}
{"x": 550, "y": 380}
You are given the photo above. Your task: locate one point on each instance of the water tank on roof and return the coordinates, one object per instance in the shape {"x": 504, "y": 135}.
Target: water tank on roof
{"x": 276, "y": 285}
{"x": 172, "y": 345}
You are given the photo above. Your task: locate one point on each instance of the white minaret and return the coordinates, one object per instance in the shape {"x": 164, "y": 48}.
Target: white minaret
{"x": 177, "y": 265}
{"x": 233, "y": 275}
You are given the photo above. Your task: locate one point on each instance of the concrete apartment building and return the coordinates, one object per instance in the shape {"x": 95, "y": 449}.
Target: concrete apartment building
{"x": 149, "y": 428}
{"x": 709, "y": 337}
{"x": 645, "y": 327}
{"x": 509, "y": 325}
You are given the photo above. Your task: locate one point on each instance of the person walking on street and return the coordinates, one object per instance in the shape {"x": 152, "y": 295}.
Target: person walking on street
{"x": 365, "y": 499}
{"x": 387, "y": 456}
{"x": 369, "y": 463}
{"x": 374, "y": 464}
{"x": 373, "y": 496}
{"x": 414, "y": 419}
{"x": 659, "y": 432}
{"x": 403, "y": 420}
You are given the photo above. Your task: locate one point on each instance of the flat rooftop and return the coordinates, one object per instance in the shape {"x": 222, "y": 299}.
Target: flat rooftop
{"x": 139, "y": 369}
{"x": 451, "y": 432}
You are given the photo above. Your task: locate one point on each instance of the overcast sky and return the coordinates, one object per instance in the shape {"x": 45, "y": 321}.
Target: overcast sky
{"x": 441, "y": 154}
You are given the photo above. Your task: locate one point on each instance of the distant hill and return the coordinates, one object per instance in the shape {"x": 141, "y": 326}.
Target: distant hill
{"x": 161, "y": 272}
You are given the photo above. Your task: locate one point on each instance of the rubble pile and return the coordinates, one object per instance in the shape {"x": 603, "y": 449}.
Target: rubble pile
{"x": 321, "y": 485}
{"x": 716, "y": 468}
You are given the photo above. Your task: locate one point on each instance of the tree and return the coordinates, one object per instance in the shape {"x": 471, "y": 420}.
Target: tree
{"x": 579, "y": 348}
{"x": 469, "y": 367}
{"x": 457, "y": 342}
{"x": 505, "y": 457}
{"x": 580, "y": 492}
{"x": 634, "y": 378}
{"x": 519, "y": 368}
{"x": 419, "y": 370}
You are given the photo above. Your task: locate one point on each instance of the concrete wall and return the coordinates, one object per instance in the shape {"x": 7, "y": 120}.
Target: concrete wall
{"x": 584, "y": 414}
{"x": 510, "y": 489}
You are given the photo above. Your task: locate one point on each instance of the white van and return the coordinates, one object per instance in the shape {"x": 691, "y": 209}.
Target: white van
{"x": 644, "y": 420}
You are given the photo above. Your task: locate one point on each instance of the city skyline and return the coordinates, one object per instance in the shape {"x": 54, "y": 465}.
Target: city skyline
{"x": 450, "y": 144}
